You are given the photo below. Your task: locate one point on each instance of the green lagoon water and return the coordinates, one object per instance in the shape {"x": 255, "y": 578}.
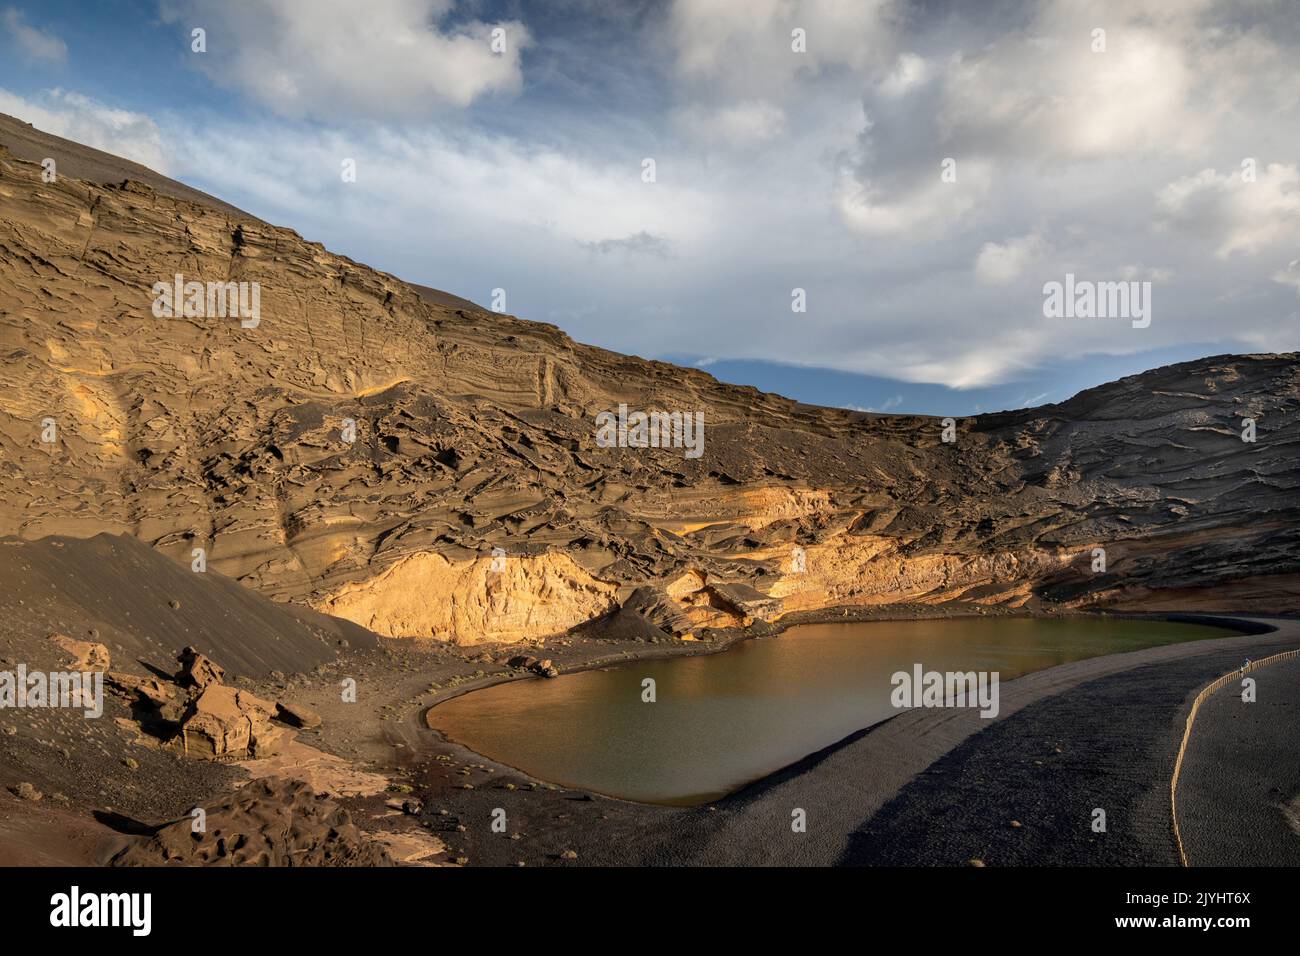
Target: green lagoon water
{"x": 721, "y": 721}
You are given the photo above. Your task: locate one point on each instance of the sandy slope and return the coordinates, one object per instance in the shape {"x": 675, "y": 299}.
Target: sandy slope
{"x": 143, "y": 606}
{"x": 97, "y": 776}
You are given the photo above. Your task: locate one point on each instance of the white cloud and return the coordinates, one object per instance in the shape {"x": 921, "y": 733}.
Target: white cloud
{"x": 736, "y": 124}
{"x": 332, "y": 59}
{"x": 1238, "y": 215}
{"x": 76, "y": 117}
{"x": 36, "y": 44}
{"x": 468, "y": 184}
{"x": 638, "y": 244}
{"x": 987, "y": 363}
{"x": 1140, "y": 273}
{"x": 1290, "y": 275}
{"x": 779, "y": 170}
{"x": 746, "y": 46}
{"x": 1001, "y": 263}
{"x": 910, "y": 72}
{"x": 921, "y": 208}
{"x": 1045, "y": 131}
{"x": 1047, "y": 92}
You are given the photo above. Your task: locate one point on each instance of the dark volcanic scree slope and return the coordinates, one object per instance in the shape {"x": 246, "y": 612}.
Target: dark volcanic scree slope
{"x": 476, "y": 431}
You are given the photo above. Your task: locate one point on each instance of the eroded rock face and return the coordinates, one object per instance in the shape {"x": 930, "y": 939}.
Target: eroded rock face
{"x": 198, "y": 670}
{"x": 205, "y": 718}
{"x": 226, "y": 722}
{"x": 270, "y": 822}
{"x": 476, "y": 431}
{"x": 524, "y": 598}
{"x": 158, "y": 706}
{"x": 689, "y": 605}
{"x": 868, "y": 570}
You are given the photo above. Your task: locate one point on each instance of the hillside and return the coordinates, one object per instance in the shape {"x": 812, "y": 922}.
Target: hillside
{"x": 476, "y": 430}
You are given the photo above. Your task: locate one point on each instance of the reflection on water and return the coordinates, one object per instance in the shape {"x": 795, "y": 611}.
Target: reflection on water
{"x": 724, "y": 720}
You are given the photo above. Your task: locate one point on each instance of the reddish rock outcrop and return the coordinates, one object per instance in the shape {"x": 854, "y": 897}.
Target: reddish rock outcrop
{"x": 225, "y": 722}
{"x": 198, "y": 671}
{"x": 85, "y": 655}
{"x": 296, "y": 715}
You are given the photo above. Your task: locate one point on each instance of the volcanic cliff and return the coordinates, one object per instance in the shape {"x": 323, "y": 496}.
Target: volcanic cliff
{"x": 422, "y": 466}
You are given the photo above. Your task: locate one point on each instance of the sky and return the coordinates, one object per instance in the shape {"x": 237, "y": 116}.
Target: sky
{"x": 858, "y": 203}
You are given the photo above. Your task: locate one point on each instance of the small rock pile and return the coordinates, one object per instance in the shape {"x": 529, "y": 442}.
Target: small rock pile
{"x": 206, "y": 717}
{"x": 542, "y": 668}
{"x": 86, "y": 656}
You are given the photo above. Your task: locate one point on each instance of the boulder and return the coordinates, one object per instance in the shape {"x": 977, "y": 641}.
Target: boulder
{"x": 686, "y": 583}
{"x": 746, "y": 601}
{"x": 684, "y": 617}
{"x": 86, "y": 656}
{"x": 296, "y": 715}
{"x": 130, "y": 686}
{"x": 198, "y": 670}
{"x": 25, "y": 791}
{"x": 227, "y": 722}
{"x": 159, "y": 701}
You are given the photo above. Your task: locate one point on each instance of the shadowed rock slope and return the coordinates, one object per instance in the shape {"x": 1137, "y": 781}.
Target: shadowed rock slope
{"x": 116, "y": 591}
{"x": 476, "y": 431}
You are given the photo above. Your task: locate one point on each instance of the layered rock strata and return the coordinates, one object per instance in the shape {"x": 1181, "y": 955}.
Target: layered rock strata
{"x": 406, "y": 460}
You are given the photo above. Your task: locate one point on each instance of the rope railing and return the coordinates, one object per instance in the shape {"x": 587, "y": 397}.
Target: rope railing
{"x": 1187, "y": 733}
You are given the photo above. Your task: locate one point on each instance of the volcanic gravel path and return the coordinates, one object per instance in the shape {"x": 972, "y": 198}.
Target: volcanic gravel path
{"x": 1239, "y": 791}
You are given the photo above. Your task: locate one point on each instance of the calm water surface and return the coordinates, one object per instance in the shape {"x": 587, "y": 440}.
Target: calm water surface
{"x": 724, "y": 720}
